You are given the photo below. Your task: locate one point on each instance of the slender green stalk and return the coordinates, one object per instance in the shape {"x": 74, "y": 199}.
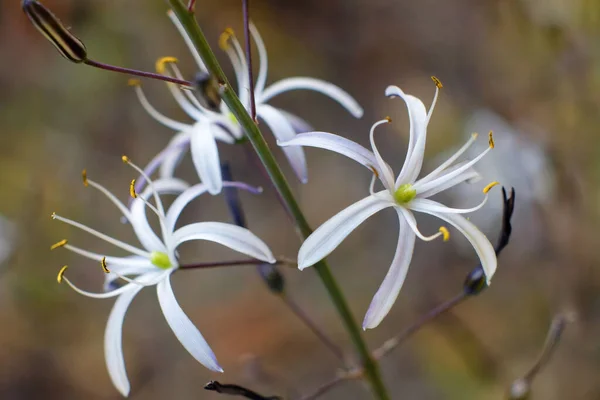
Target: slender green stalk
{"x": 371, "y": 368}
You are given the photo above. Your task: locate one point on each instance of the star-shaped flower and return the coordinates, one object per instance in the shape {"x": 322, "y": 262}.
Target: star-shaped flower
{"x": 155, "y": 262}
{"x": 212, "y": 125}
{"x": 405, "y": 194}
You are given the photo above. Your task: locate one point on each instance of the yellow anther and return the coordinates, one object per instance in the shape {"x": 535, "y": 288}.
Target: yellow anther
{"x": 474, "y": 135}
{"x": 134, "y": 82}
{"x": 84, "y": 177}
{"x": 161, "y": 63}
{"x": 388, "y": 119}
{"x": 490, "y": 186}
{"x": 445, "y": 233}
{"x": 491, "y": 139}
{"x": 132, "y": 192}
{"x": 59, "y": 277}
{"x": 53, "y": 215}
{"x": 58, "y": 244}
{"x": 224, "y": 38}
{"x": 125, "y": 159}
{"x": 437, "y": 82}
{"x": 104, "y": 267}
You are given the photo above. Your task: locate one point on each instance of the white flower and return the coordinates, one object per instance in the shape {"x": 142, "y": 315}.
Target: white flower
{"x": 405, "y": 194}
{"x": 154, "y": 263}
{"x": 210, "y": 126}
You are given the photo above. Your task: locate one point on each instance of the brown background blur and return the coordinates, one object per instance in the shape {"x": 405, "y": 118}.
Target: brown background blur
{"x": 528, "y": 69}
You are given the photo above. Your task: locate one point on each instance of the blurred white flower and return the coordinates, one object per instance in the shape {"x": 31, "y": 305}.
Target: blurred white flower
{"x": 155, "y": 263}
{"x": 211, "y": 125}
{"x": 519, "y": 161}
{"x": 405, "y": 194}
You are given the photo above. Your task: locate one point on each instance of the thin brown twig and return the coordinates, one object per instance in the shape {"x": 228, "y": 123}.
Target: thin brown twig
{"x": 135, "y": 72}
{"x": 327, "y": 386}
{"x": 246, "y": 12}
{"x": 191, "y": 6}
{"x": 313, "y": 327}
{"x": 250, "y": 261}
{"x": 394, "y": 342}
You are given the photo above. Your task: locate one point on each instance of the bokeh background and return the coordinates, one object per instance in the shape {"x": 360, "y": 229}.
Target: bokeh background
{"x": 527, "y": 69}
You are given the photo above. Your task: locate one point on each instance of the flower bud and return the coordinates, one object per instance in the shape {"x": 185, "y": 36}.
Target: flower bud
{"x": 208, "y": 89}
{"x": 272, "y": 277}
{"x": 65, "y": 42}
{"x": 475, "y": 282}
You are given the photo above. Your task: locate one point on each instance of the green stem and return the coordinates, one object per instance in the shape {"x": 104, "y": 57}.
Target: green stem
{"x": 371, "y": 368}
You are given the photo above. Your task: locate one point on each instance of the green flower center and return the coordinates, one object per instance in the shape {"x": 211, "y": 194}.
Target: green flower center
{"x": 405, "y": 193}
{"x": 160, "y": 259}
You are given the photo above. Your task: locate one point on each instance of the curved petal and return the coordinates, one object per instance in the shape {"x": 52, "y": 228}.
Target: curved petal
{"x": 232, "y": 236}
{"x": 443, "y": 167}
{"x": 261, "y": 78}
{"x": 338, "y": 144}
{"x": 387, "y": 175}
{"x": 299, "y": 125}
{"x": 175, "y": 147}
{"x": 190, "y": 194}
{"x": 187, "y": 39}
{"x": 329, "y": 235}
{"x": 478, "y": 240}
{"x": 454, "y": 172}
{"x": 139, "y": 219}
{"x": 184, "y": 329}
{"x": 421, "y": 204}
{"x": 326, "y": 88}
{"x": 417, "y": 115}
{"x": 205, "y": 156}
{"x": 282, "y": 129}
{"x": 113, "y": 342}
{"x": 468, "y": 176}
{"x": 390, "y": 288}
{"x": 171, "y": 159}
{"x": 125, "y": 270}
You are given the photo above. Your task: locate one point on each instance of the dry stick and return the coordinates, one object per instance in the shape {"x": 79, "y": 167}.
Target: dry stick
{"x": 235, "y": 207}
{"x": 246, "y": 12}
{"x": 250, "y": 261}
{"x": 136, "y": 72}
{"x": 312, "y": 326}
{"x": 520, "y": 388}
{"x": 394, "y": 342}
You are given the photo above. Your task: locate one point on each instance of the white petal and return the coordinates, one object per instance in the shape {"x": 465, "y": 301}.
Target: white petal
{"x": 441, "y": 180}
{"x": 386, "y": 175}
{"x": 326, "y": 88}
{"x": 421, "y": 204}
{"x": 184, "y": 329}
{"x": 166, "y": 121}
{"x": 173, "y": 153}
{"x": 283, "y": 130}
{"x": 205, "y": 156}
{"x": 390, "y": 288}
{"x": 329, "y": 235}
{"x": 417, "y": 115}
{"x": 190, "y": 194}
{"x": 478, "y": 240}
{"x": 261, "y": 79}
{"x": 299, "y": 125}
{"x": 232, "y": 236}
{"x": 188, "y": 40}
{"x": 339, "y": 144}
{"x": 113, "y": 342}
{"x": 468, "y": 176}
{"x": 439, "y": 170}
{"x": 139, "y": 219}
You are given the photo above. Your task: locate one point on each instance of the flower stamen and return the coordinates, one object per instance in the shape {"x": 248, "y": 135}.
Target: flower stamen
{"x": 61, "y": 273}
{"x": 59, "y": 244}
{"x": 491, "y": 140}
{"x": 104, "y": 267}
{"x": 490, "y": 186}
{"x": 84, "y": 177}
{"x": 445, "y": 233}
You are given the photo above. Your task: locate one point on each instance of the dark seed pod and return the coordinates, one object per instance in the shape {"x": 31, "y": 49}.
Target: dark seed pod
{"x": 475, "y": 282}
{"x": 272, "y": 278}
{"x": 65, "y": 42}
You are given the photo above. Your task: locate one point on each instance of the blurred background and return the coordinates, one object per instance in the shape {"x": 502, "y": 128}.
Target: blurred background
{"x": 527, "y": 69}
